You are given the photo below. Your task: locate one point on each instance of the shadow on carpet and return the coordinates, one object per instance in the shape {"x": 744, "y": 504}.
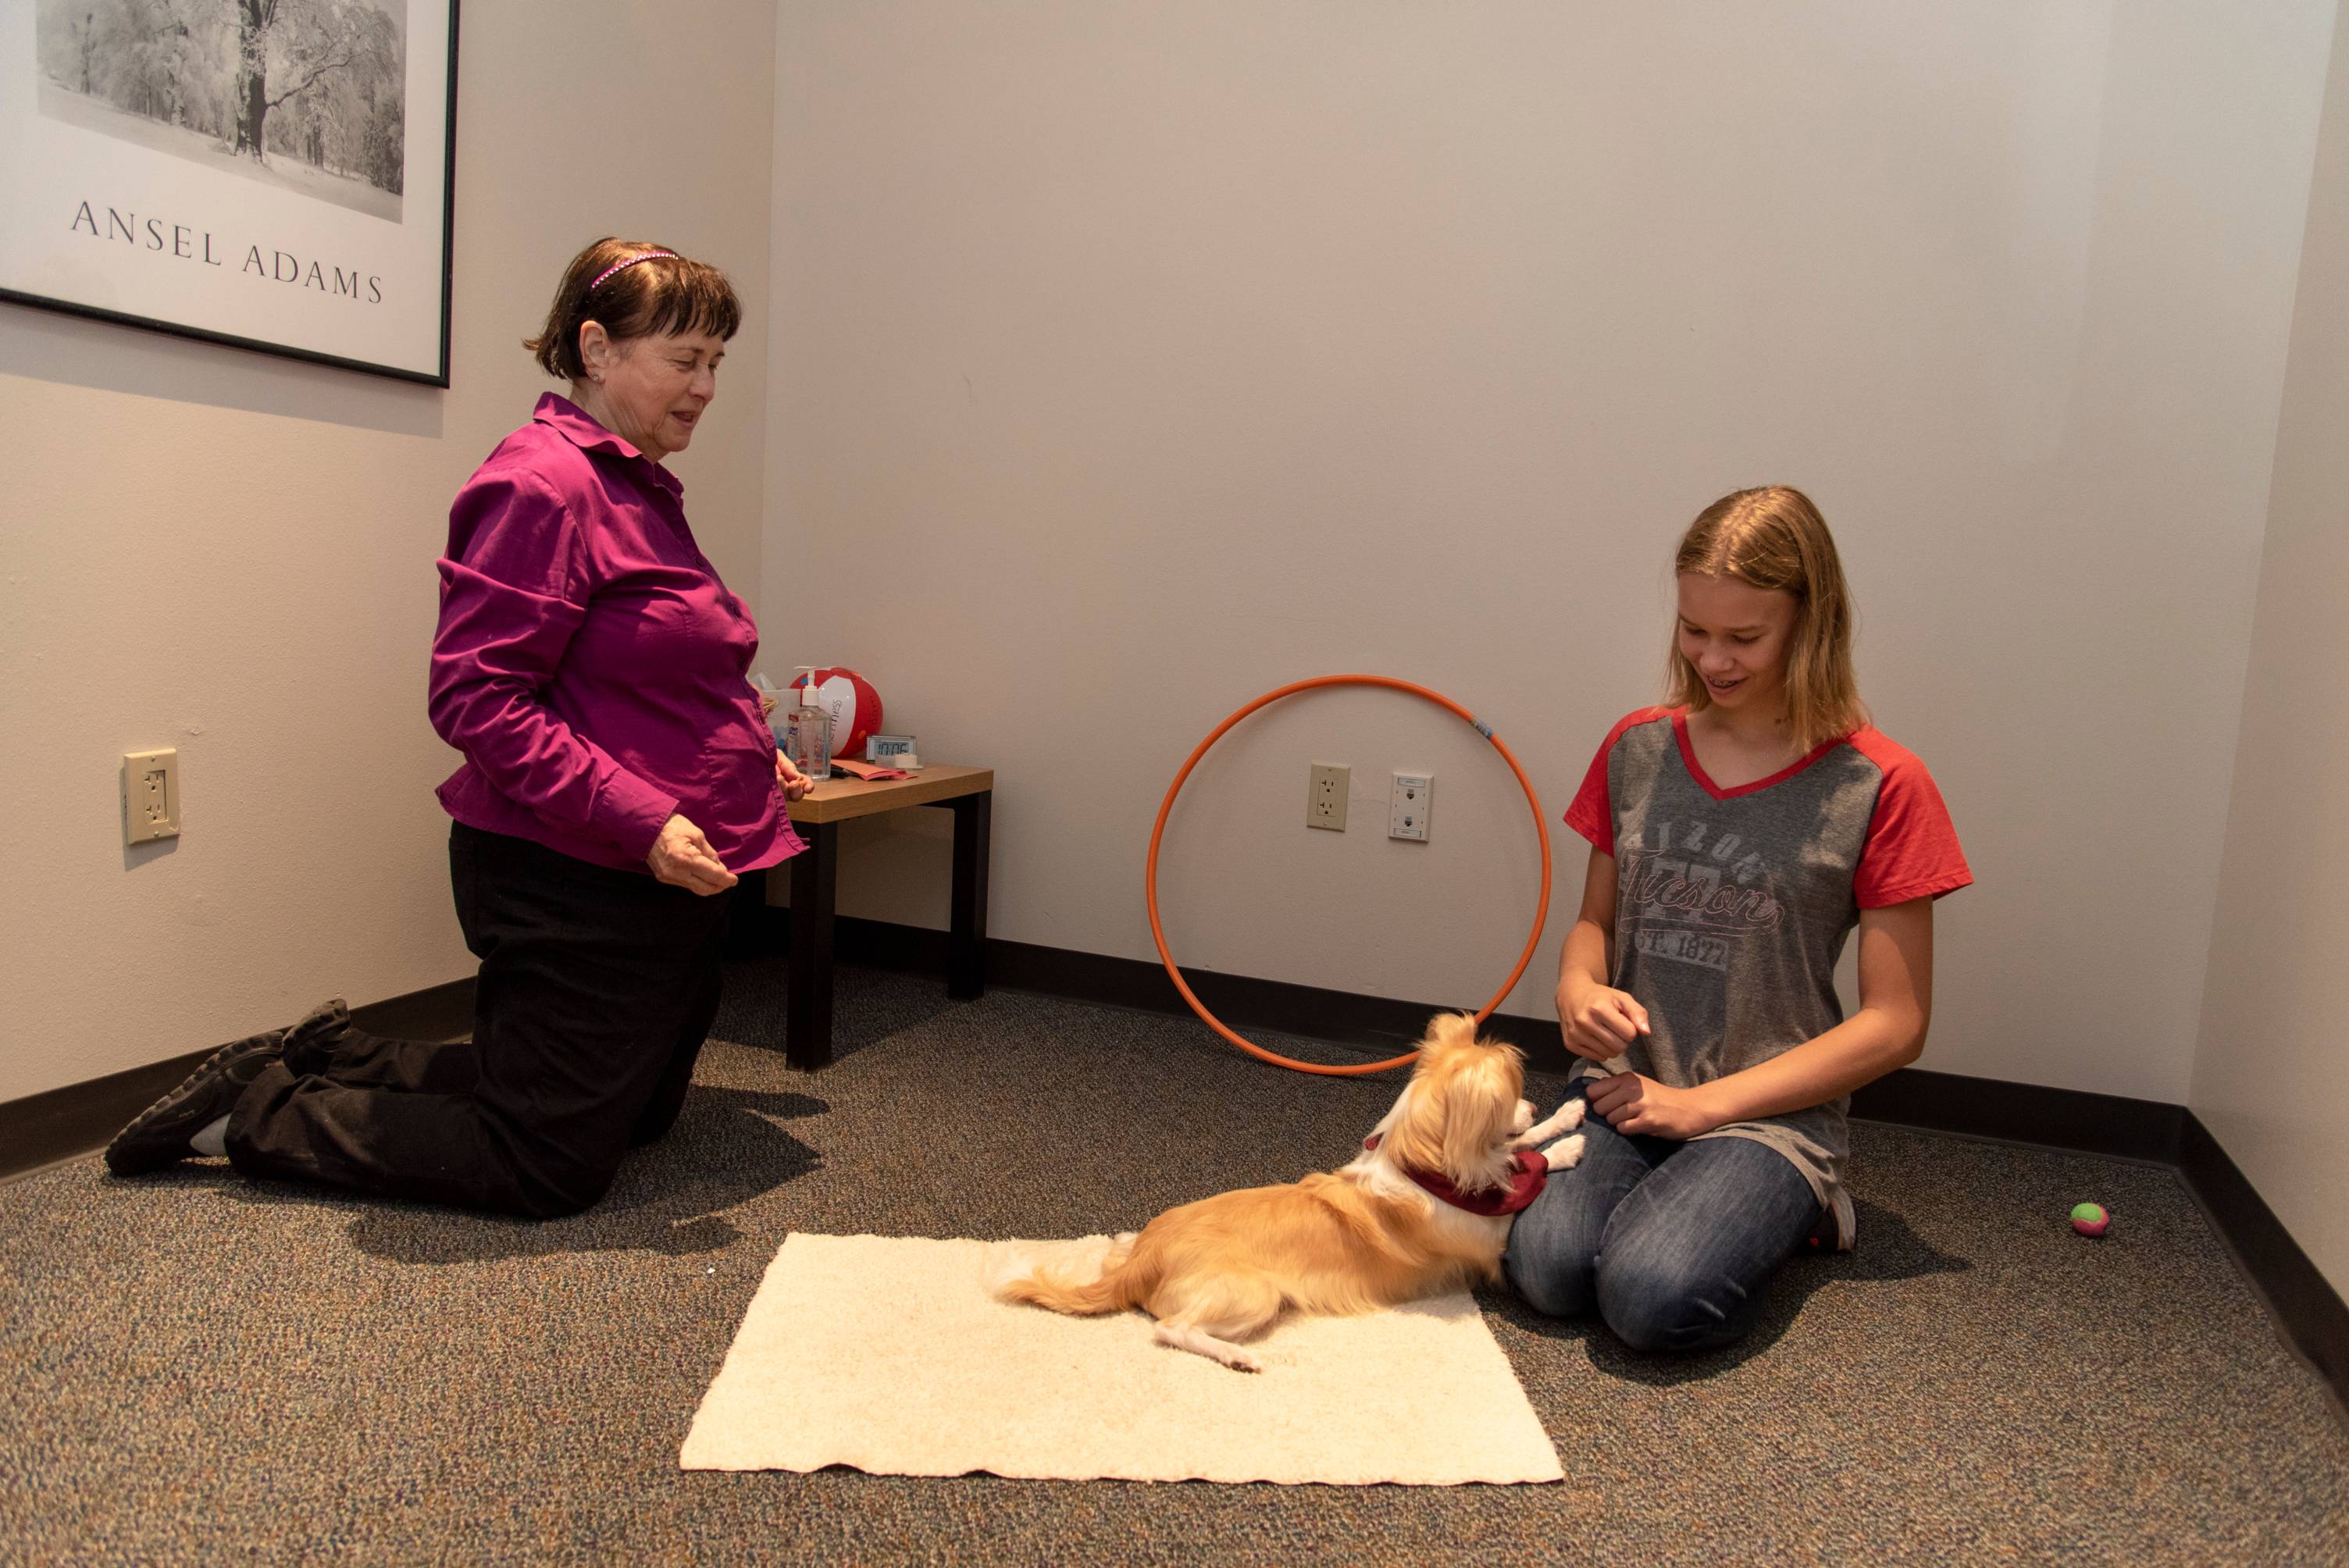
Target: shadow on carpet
{"x": 727, "y": 1149}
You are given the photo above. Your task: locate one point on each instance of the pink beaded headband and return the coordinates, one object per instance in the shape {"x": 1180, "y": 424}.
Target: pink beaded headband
{"x": 623, "y": 267}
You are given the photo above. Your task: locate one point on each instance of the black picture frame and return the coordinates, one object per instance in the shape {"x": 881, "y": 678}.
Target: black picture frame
{"x": 422, "y": 330}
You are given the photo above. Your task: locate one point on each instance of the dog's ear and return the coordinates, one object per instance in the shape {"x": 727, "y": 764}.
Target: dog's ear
{"x": 1415, "y": 1138}
{"x": 1481, "y": 1113}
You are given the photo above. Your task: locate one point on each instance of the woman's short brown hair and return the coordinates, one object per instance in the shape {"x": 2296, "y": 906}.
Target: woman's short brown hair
{"x": 667, "y": 293}
{"x": 1773, "y": 538}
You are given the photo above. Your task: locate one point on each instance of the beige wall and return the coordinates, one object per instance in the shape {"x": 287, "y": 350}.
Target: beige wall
{"x": 233, "y": 554}
{"x": 2272, "y": 1073}
{"x": 1132, "y": 359}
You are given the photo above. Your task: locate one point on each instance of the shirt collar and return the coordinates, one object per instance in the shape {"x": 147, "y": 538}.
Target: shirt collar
{"x": 579, "y": 428}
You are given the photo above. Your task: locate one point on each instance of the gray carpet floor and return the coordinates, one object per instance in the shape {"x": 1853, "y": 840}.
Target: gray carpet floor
{"x": 199, "y": 1368}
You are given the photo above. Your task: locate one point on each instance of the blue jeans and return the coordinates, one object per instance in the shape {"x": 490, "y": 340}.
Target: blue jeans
{"x": 1672, "y": 1243}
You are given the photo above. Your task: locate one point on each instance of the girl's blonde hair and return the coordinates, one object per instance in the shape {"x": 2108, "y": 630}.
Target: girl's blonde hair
{"x": 1773, "y": 538}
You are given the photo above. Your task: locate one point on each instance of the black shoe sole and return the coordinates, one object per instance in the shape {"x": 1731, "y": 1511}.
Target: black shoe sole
{"x": 151, "y": 1142}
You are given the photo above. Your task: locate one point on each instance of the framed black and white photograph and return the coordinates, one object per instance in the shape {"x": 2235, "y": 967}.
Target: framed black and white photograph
{"x": 274, "y": 174}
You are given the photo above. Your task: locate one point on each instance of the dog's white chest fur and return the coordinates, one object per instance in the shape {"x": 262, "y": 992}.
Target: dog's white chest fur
{"x": 1457, "y": 1225}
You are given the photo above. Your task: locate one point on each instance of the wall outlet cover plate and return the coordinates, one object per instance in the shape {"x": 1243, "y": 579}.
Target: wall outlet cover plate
{"x": 1411, "y": 799}
{"x": 1326, "y": 787}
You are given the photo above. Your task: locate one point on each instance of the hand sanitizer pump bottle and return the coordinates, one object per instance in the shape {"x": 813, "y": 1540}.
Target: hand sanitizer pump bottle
{"x": 807, "y": 735}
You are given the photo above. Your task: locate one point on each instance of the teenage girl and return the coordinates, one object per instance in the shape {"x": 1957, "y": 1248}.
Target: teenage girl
{"x": 1737, "y": 835}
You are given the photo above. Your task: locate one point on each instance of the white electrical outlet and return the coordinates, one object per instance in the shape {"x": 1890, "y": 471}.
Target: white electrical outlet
{"x": 1410, "y": 802}
{"x": 1326, "y": 787}
{"x": 150, "y": 794}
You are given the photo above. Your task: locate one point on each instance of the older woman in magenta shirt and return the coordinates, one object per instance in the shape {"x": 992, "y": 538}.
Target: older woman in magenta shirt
{"x": 618, "y": 777}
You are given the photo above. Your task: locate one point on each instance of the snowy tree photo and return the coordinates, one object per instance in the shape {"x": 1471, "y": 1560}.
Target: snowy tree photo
{"x": 308, "y": 94}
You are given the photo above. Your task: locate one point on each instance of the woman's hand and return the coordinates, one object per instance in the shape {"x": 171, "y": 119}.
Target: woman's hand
{"x": 795, "y": 783}
{"x": 683, "y": 858}
{"x": 1600, "y": 1023}
{"x": 1631, "y": 1103}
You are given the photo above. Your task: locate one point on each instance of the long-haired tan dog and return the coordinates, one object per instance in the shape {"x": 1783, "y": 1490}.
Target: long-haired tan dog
{"x": 1387, "y": 1228}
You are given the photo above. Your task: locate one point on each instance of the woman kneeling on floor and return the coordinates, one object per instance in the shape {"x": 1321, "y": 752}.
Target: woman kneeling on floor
{"x": 1737, "y": 838}
{"x": 618, "y": 777}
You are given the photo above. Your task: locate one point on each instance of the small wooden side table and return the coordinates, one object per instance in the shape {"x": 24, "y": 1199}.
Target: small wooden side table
{"x": 969, "y": 794}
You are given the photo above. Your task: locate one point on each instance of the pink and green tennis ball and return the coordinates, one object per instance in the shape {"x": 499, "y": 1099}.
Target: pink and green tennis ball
{"x": 2090, "y": 1219}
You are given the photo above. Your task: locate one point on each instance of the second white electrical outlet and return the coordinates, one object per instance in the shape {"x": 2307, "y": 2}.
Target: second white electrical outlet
{"x": 1325, "y": 795}
{"x": 1409, "y": 803}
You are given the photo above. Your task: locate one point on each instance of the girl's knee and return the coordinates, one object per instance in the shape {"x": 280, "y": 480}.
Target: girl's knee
{"x": 1552, "y": 1285}
{"x": 1664, "y": 1309}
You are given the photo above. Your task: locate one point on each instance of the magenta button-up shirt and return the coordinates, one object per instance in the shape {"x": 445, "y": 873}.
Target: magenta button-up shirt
{"x": 590, "y": 664}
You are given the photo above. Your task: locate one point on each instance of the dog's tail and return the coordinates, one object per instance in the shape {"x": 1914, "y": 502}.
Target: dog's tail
{"x": 1120, "y": 1283}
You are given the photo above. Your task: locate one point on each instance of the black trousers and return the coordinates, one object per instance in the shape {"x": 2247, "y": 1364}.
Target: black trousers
{"x": 597, "y": 990}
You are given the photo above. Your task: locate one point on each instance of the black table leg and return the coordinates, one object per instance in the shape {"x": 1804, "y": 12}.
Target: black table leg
{"x": 966, "y": 920}
{"x": 816, "y": 876}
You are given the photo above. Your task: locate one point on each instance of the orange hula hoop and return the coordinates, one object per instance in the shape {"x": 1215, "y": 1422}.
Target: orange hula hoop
{"x": 1158, "y": 831}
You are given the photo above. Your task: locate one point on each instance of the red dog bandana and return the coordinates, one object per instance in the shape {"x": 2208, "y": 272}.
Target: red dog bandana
{"x": 1532, "y": 1172}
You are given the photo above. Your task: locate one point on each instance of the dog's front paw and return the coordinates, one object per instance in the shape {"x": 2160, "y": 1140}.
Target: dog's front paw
{"x": 1523, "y": 1122}
{"x": 1567, "y": 1117}
{"x": 1565, "y": 1154}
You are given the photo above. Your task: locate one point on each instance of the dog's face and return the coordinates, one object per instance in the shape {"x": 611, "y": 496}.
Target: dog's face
{"x": 1465, "y": 1102}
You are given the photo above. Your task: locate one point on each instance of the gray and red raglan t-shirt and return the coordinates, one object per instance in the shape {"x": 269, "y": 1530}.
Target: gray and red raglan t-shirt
{"x": 1733, "y": 906}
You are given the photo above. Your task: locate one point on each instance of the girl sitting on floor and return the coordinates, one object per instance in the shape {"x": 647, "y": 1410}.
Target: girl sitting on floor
{"x": 1737, "y": 836}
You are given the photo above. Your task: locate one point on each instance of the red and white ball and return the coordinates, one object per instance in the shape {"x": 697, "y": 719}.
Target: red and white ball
{"x": 854, "y": 706}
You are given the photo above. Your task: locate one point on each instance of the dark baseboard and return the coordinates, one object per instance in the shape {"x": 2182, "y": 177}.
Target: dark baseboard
{"x": 2065, "y": 1119}
{"x": 2313, "y": 1314}
{"x": 43, "y": 1129}
{"x": 65, "y": 1122}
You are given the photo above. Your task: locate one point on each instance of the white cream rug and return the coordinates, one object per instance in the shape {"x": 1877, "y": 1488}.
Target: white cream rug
{"x": 888, "y": 1355}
